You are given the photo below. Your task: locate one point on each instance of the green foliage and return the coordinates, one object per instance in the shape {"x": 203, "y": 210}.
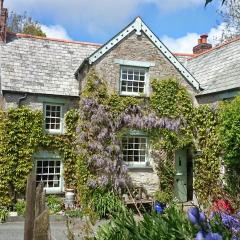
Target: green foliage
{"x": 34, "y": 29}
{"x": 75, "y": 213}
{"x": 24, "y": 24}
{"x": 207, "y": 164}
{"x": 229, "y": 131}
{"x": 95, "y": 88}
{"x": 20, "y": 130}
{"x": 171, "y": 225}
{"x": 21, "y": 135}
{"x": 3, "y": 214}
{"x": 170, "y": 99}
{"x": 117, "y": 104}
{"x": 54, "y": 203}
{"x": 106, "y": 203}
{"x": 229, "y": 135}
{"x": 20, "y": 207}
{"x": 84, "y": 193}
{"x": 163, "y": 196}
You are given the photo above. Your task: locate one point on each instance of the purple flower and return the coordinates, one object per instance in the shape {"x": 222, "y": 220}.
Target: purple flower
{"x": 194, "y": 215}
{"x": 103, "y": 181}
{"x": 202, "y": 217}
{"x": 230, "y": 222}
{"x": 213, "y": 236}
{"x": 91, "y": 183}
{"x": 200, "y": 235}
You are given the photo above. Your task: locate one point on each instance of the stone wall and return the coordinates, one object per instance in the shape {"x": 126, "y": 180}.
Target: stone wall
{"x": 137, "y": 48}
{"x": 36, "y": 101}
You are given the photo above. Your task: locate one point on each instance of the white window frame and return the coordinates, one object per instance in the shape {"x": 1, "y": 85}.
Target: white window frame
{"x": 146, "y": 81}
{"x": 139, "y": 163}
{"x": 54, "y": 131}
{"x": 52, "y": 190}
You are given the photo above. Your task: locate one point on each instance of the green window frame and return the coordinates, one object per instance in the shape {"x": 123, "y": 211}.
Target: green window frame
{"x": 49, "y": 170}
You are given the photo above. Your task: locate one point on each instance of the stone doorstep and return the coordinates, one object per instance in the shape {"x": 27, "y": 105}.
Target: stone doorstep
{"x": 52, "y": 218}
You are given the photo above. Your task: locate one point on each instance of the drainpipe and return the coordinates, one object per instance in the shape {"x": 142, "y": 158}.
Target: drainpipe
{"x": 21, "y": 99}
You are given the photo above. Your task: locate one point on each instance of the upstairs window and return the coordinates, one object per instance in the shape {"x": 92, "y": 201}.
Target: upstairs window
{"x": 135, "y": 150}
{"x": 133, "y": 81}
{"x": 53, "y": 118}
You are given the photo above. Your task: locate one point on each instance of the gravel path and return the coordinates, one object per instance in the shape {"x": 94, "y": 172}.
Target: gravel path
{"x": 14, "y": 230}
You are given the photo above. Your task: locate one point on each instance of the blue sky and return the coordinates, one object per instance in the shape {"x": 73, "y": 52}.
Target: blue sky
{"x": 178, "y": 23}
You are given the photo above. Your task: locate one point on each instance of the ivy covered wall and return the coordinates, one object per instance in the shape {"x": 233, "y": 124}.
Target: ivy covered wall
{"x": 93, "y": 140}
{"x": 22, "y": 135}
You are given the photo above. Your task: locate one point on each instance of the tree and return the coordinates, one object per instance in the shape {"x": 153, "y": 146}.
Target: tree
{"x": 231, "y": 17}
{"x": 208, "y": 1}
{"x": 24, "y": 24}
{"x": 230, "y": 13}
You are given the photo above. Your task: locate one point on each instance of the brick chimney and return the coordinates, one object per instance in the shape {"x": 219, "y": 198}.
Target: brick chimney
{"x": 3, "y": 22}
{"x": 203, "y": 45}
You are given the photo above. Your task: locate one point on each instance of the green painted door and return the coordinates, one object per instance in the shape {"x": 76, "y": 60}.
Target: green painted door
{"x": 180, "y": 183}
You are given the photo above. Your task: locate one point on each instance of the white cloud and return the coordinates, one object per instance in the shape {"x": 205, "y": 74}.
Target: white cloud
{"x": 186, "y": 43}
{"x": 94, "y": 14}
{"x": 181, "y": 45}
{"x": 55, "y": 31}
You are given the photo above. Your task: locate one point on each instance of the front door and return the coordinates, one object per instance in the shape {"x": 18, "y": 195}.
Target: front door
{"x": 180, "y": 183}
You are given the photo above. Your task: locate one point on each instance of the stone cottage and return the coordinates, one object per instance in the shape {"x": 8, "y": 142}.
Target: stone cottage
{"x": 48, "y": 74}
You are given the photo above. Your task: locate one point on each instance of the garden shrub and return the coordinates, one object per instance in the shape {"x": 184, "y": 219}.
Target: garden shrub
{"x": 74, "y": 213}
{"x": 3, "y": 214}
{"x": 106, "y": 203}
{"x": 54, "y": 203}
{"x": 173, "y": 224}
{"x": 229, "y": 135}
{"x": 20, "y": 207}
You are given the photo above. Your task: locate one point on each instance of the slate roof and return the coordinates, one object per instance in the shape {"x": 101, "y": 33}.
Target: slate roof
{"x": 47, "y": 66}
{"x": 217, "y": 69}
{"x": 42, "y": 65}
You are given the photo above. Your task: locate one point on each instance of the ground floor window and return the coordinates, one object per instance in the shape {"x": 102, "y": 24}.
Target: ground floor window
{"x": 135, "y": 150}
{"x": 49, "y": 171}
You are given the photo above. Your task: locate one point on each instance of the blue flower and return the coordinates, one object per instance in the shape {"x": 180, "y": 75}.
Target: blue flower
{"x": 200, "y": 235}
{"x": 213, "y": 236}
{"x": 202, "y": 217}
{"x": 194, "y": 215}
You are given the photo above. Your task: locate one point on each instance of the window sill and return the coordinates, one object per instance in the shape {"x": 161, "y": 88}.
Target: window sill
{"x": 54, "y": 132}
{"x": 129, "y": 94}
{"x": 139, "y": 167}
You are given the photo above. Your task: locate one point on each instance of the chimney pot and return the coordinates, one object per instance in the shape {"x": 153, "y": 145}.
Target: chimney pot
{"x": 203, "y": 45}
{"x": 204, "y": 38}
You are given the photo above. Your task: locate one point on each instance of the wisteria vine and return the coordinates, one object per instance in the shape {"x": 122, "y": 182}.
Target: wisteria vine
{"x": 99, "y": 141}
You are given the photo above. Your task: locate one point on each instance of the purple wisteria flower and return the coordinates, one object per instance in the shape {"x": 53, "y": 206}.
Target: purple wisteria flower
{"x": 103, "y": 181}
{"x": 91, "y": 183}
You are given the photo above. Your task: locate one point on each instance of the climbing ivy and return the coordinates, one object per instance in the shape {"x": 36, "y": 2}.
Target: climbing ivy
{"x": 207, "y": 163}
{"x": 22, "y": 135}
{"x": 90, "y": 148}
{"x": 229, "y": 135}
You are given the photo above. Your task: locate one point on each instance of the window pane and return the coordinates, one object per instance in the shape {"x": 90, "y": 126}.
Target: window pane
{"x": 132, "y": 80}
{"x": 48, "y": 171}
{"x": 52, "y": 116}
{"x": 134, "y": 149}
